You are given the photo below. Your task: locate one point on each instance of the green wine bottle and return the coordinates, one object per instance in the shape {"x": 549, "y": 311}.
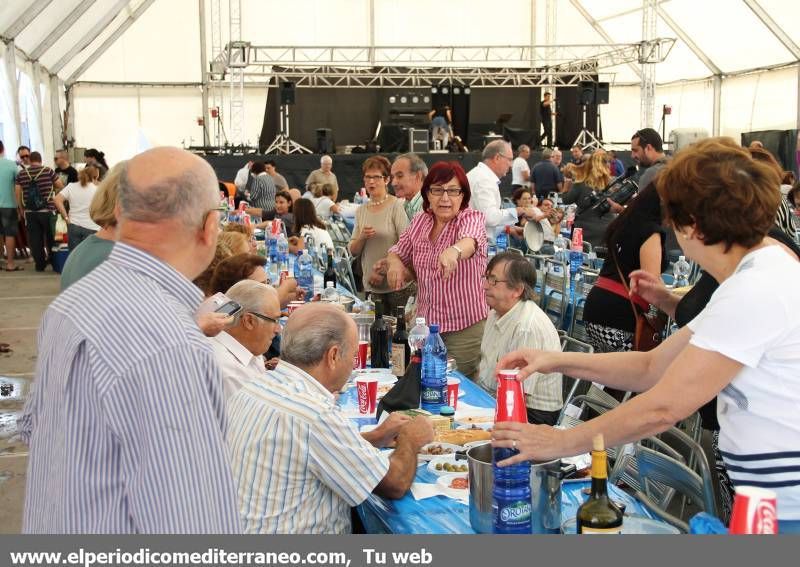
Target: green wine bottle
{"x": 599, "y": 515}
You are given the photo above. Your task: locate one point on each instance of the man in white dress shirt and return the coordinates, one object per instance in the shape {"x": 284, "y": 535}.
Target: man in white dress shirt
{"x": 484, "y": 182}
{"x": 239, "y": 350}
{"x": 515, "y": 321}
{"x": 299, "y": 461}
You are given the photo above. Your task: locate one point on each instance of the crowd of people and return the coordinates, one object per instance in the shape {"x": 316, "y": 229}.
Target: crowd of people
{"x": 185, "y": 419}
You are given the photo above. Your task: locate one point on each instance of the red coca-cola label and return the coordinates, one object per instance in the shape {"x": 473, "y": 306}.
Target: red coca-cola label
{"x": 510, "y": 398}
{"x": 754, "y": 511}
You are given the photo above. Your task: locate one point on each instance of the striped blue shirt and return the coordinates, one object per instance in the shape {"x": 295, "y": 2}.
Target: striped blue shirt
{"x": 126, "y": 421}
{"x": 299, "y": 463}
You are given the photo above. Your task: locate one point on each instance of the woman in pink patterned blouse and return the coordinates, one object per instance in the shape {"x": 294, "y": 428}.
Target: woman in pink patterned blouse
{"x": 446, "y": 248}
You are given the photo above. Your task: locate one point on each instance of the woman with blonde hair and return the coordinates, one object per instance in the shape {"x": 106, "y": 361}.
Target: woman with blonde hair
{"x": 592, "y": 175}
{"x": 96, "y": 247}
{"x": 80, "y": 225}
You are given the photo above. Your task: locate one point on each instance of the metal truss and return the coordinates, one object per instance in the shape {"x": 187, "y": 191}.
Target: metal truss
{"x": 478, "y": 66}
{"x": 648, "y": 57}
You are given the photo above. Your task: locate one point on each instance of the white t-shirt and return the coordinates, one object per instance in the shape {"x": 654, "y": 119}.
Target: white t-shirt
{"x": 754, "y": 319}
{"x": 323, "y": 206}
{"x": 320, "y": 236}
{"x": 517, "y": 167}
{"x": 79, "y": 200}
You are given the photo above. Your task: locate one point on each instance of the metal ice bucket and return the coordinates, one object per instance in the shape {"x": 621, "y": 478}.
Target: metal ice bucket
{"x": 546, "y": 480}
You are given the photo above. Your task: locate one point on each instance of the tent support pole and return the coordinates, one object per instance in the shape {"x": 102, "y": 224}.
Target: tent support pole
{"x": 717, "y": 126}
{"x": 203, "y": 70}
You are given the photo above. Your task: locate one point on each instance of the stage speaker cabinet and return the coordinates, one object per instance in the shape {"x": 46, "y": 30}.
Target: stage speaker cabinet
{"x": 601, "y": 93}
{"x": 679, "y": 138}
{"x": 417, "y": 140}
{"x": 586, "y": 93}
{"x": 287, "y": 92}
{"x": 325, "y": 141}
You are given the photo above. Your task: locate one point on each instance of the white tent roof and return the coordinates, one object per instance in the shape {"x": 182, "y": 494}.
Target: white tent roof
{"x": 162, "y": 44}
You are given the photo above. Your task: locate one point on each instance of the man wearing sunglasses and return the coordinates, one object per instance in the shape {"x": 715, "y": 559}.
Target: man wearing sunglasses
{"x": 239, "y": 350}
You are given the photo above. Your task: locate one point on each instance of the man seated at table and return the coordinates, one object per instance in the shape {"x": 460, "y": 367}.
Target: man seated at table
{"x": 239, "y": 350}
{"x": 300, "y": 463}
{"x": 516, "y": 320}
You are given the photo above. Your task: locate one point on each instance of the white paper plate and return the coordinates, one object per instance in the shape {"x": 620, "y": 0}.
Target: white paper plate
{"x": 449, "y": 459}
{"x": 485, "y": 426}
{"x": 471, "y": 444}
{"x": 444, "y": 483}
{"x": 425, "y": 457}
{"x": 534, "y": 235}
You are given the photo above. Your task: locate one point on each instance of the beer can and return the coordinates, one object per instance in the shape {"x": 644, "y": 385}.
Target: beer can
{"x": 754, "y": 511}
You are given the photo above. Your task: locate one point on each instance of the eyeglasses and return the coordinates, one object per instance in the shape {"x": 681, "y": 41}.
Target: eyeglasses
{"x": 492, "y": 280}
{"x": 222, "y": 211}
{"x": 507, "y": 157}
{"x": 375, "y": 177}
{"x": 24, "y": 156}
{"x": 438, "y": 191}
{"x": 264, "y": 317}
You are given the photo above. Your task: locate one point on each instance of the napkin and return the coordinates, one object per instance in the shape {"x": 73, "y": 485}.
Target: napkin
{"x": 466, "y": 410}
{"x": 422, "y": 490}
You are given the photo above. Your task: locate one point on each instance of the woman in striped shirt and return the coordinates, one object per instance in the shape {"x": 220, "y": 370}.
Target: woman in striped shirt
{"x": 446, "y": 248}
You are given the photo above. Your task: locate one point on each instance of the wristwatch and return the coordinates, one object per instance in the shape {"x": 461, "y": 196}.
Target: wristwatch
{"x": 459, "y": 250}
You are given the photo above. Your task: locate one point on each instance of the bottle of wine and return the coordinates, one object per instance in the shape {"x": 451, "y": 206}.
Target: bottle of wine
{"x": 599, "y": 515}
{"x": 380, "y": 338}
{"x": 401, "y": 352}
{"x": 330, "y": 272}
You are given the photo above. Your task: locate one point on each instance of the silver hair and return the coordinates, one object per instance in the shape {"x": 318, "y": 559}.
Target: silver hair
{"x": 306, "y": 346}
{"x": 415, "y": 164}
{"x": 250, "y": 294}
{"x": 494, "y": 149}
{"x": 189, "y": 195}
{"x": 325, "y": 158}
{"x": 522, "y": 148}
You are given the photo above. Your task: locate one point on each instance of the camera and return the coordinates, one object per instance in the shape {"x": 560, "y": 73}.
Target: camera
{"x": 626, "y": 190}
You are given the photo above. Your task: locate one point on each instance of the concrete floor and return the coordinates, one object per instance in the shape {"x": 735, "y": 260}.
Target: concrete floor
{"x": 24, "y": 296}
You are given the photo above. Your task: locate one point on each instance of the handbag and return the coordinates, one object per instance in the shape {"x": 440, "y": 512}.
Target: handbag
{"x": 649, "y": 327}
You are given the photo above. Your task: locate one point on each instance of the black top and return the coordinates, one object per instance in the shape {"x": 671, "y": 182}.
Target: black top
{"x": 593, "y": 224}
{"x": 545, "y": 177}
{"x": 696, "y": 300}
{"x": 545, "y": 111}
{"x": 67, "y": 175}
{"x": 609, "y": 309}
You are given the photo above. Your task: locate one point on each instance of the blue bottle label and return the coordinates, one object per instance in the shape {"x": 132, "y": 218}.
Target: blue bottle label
{"x": 515, "y": 513}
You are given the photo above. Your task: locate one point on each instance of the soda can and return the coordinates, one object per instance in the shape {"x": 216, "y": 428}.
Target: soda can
{"x": 284, "y": 275}
{"x": 754, "y": 511}
{"x": 231, "y": 204}
{"x": 577, "y": 239}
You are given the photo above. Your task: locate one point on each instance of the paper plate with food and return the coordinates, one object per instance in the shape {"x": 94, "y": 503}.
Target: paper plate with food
{"x": 455, "y": 485}
{"x": 487, "y": 426}
{"x": 448, "y": 465}
{"x": 460, "y": 436}
{"x": 437, "y": 449}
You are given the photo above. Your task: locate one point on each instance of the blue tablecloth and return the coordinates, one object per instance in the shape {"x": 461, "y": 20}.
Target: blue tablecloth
{"x": 442, "y": 515}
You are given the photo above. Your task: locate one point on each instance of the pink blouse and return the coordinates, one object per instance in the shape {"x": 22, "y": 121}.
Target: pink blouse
{"x": 457, "y": 302}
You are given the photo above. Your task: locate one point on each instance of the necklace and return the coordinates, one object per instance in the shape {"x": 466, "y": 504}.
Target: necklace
{"x": 378, "y": 203}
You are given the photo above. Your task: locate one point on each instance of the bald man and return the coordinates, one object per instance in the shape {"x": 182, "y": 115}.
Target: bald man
{"x": 300, "y": 463}
{"x": 126, "y": 419}
{"x": 239, "y": 350}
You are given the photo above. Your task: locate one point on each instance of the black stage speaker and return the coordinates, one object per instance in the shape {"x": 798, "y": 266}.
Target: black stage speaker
{"x": 287, "y": 92}
{"x": 586, "y": 92}
{"x": 325, "y": 141}
{"x": 601, "y": 93}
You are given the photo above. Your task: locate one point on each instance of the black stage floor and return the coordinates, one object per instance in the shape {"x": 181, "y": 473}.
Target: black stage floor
{"x": 347, "y": 167}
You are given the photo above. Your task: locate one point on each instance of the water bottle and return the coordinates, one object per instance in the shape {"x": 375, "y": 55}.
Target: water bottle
{"x": 680, "y": 272}
{"x": 368, "y": 309}
{"x": 330, "y": 294}
{"x": 434, "y": 372}
{"x": 575, "y": 265}
{"x": 272, "y": 242}
{"x": 511, "y": 493}
{"x": 559, "y": 255}
{"x": 282, "y": 250}
{"x": 417, "y": 336}
{"x": 304, "y": 273}
{"x": 501, "y": 241}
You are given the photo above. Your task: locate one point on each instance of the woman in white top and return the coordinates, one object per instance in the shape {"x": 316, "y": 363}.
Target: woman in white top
{"x": 325, "y": 201}
{"x": 744, "y": 347}
{"x": 307, "y": 223}
{"x": 79, "y": 194}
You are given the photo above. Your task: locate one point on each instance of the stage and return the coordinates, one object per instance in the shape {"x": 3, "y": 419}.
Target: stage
{"x": 347, "y": 167}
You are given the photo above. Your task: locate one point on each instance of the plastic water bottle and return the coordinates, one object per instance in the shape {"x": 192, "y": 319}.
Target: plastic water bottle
{"x": 330, "y": 294}
{"x": 434, "y": 373}
{"x": 560, "y": 247}
{"x": 418, "y": 335}
{"x": 282, "y": 250}
{"x": 304, "y": 273}
{"x": 502, "y": 240}
{"x": 575, "y": 266}
{"x": 680, "y": 271}
{"x": 272, "y": 242}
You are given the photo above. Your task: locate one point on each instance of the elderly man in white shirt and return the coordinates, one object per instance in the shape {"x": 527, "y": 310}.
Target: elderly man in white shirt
{"x": 239, "y": 350}
{"x": 484, "y": 183}
{"x": 516, "y": 320}
{"x": 299, "y": 462}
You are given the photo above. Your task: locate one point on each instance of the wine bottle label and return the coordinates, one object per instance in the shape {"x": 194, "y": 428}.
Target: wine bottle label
{"x": 601, "y": 531}
{"x": 398, "y": 359}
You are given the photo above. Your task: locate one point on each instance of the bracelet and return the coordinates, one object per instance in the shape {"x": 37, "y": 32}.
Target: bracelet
{"x": 459, "y": 250}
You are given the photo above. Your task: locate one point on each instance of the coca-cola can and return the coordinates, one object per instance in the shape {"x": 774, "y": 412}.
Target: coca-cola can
{"x": 293, "y": 306}
{"x": 243, "y": 206}
{"x": 754, "y": 511}
{"x": 284, "y": 275}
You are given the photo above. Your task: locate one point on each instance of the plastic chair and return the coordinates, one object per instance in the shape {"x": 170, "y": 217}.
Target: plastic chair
{"x": 570, "y": 384}
{"x": 555, "y": 292}
{"x": 693, "y": 483}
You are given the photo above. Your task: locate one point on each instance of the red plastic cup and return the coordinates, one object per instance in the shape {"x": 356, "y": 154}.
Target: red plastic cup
{"x": 754, "y": 511}
{"x": 363, "y": 347}
{"x": 367, "y": 387}
{"x": 452, "y": 392}
{"x": 510, "y": 399}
